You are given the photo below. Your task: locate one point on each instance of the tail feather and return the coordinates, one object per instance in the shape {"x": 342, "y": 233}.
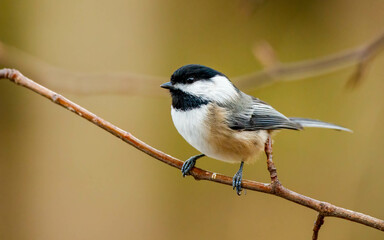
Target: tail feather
{"x": 305, "y": 122}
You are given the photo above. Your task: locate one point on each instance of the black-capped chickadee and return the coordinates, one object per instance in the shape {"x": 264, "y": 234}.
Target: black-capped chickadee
{"x": 221, "y": 121}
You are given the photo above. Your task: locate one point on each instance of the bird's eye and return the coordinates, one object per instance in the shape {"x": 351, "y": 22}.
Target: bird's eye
{"x": 190, "y": 80}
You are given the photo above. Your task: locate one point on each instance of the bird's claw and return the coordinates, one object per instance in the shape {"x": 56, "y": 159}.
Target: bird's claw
{"x": 187, "y": 166}
{"x": 236, "y": 182}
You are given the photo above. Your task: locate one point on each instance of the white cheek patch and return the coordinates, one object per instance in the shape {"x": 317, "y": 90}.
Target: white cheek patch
{"x": 224, "y": 90}
{"x": 218, "y": 89}
{"x": 200, "y": 88}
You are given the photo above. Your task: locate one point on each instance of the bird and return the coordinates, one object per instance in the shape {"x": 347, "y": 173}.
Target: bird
{"x": 222, "y": 122}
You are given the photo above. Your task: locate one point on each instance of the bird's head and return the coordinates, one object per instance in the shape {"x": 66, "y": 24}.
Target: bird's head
{"x": 202, "y": 82}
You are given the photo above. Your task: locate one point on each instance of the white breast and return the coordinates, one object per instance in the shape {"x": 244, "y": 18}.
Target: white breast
{"x": 191, "y": 124}
{"x": 227, "y": 146}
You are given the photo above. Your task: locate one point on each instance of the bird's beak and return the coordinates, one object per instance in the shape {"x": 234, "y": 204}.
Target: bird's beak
{"x": 167, "y": 85}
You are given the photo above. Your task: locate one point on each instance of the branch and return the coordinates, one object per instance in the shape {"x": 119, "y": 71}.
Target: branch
{"x": 270, "y": 165}
{"x": 359, "y": 56}
{"x": 316, "y": 228}
{"x": 323, "y": 208}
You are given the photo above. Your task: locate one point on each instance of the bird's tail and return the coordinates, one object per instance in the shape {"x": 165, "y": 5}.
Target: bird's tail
{"x": 305, "y": 122}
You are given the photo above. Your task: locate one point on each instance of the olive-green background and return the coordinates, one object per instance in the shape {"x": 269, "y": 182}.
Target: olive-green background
{"x": 63, "y": 178}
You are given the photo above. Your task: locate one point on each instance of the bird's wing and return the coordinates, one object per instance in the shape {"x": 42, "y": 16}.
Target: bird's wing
{"x": 259, "y": 115}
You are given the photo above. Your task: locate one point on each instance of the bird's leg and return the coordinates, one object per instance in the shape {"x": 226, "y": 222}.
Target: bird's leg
{"x": 189, "y": 164}
{"x": 236, "y": 181}
{"x": 270, "y": 164}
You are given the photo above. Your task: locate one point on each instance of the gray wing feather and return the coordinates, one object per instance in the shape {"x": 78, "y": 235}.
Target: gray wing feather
{"x": 305, "y": 122}
{"x": 258, "y": 115}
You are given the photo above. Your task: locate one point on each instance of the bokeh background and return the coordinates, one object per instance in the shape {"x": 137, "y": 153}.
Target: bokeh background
{"x": 63, "y": 178}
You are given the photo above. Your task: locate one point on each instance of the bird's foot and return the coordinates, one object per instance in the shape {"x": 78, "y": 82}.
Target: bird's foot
{"x": 236, "y": 181}
{"x": 188, "y": 165}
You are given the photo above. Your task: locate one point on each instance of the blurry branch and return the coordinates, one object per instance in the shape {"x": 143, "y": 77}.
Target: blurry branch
{"x": 133, "y": 84}
{"x": 265, "y": 54}
{"x": 79, "y": 83}
{"x": 276, "y": 71}
{"x": 250, "y": 7}
{"x": 316, "y": 228}
{"x": 274, "y": 188}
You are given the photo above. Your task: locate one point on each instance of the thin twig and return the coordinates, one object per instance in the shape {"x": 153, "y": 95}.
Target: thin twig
{"x": 323, "y": 208}
{"x": 316, "y": 228}
{"x": 270, "y": 165}
{"x": 298, "y": 70}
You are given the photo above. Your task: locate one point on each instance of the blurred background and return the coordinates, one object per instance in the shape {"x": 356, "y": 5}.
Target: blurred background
{"x": 63, "y": 178}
